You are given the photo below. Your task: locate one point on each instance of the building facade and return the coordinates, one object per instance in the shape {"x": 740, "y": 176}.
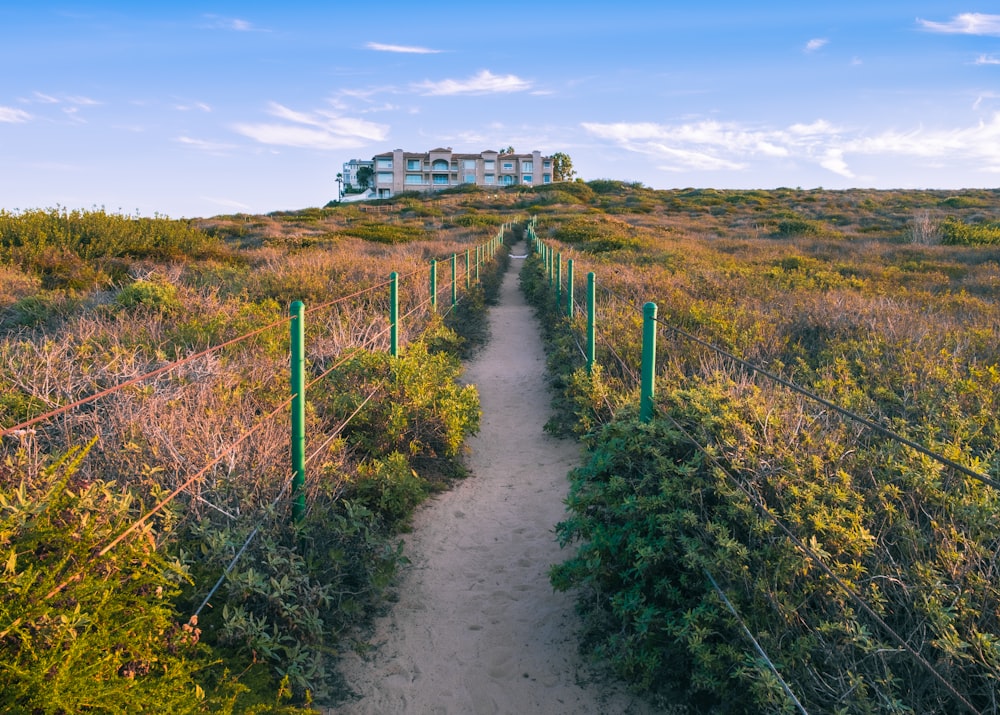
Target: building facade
{"x": 398, "y": 171}
{"x": 350, "y": 172}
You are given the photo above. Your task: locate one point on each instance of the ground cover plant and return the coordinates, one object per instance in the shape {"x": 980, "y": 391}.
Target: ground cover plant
{"x": 99, "y": 616}
{"x": 827, "y": 539}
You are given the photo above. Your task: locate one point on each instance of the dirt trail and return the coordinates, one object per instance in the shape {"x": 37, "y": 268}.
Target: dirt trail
{"x": 477, "y": 628}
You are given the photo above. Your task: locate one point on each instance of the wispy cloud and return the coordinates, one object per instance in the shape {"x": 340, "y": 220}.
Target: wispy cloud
{"x": 319, "y": 129}
{"x": 82, "y": 101}
{"x": 227, "y": 203}
{"x": 718, "y": 146}
{"x": 188, "y": 107}
{"x": 483, "y": 83}
{"x": 987, "y": 60}
{"x": 217, "y": 22}
{"x": 74, "y": 99}
{"x": 13, "y": 116}
{"x": 206, "y": 146}
{"x": 816, "y": 43}
{"x": 406, "y": 49}
{"x": 968, "y": 23}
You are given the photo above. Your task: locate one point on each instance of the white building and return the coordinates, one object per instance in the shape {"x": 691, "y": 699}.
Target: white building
{"x": 397, "y": 171}
{"x": 350, "y": 172}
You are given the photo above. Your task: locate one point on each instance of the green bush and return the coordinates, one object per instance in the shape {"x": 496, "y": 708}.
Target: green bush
{"x": 799, "y": 227}
{"x": 44, "y": 240}
{"x": 153, "y": 295}
{"x": 655, "y": 516}
{"x": 420, "y": 410}
{"x": 82, "y": 631}
{"x": 391, "y": 486}
{"x": 386, "y": 232}
{"x": 597, "y": 235}
{"x": 477, "y": 220}
{"x": 958, "y": 233}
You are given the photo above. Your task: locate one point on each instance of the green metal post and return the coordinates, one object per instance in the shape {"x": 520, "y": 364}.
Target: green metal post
{"x": 558, "y": 275}
{"x": 434, "y": 285}
{"x": 298, "y": 385}
{"x": 478, "y": 261}
{"x": 468, "y": 270}
{"x": 394, "y": 314}
{"x": 454, "y": 284}
{"x": 648, "y": 384}
{"x": 569, "y": 289}
{"x": 591, "y": 323}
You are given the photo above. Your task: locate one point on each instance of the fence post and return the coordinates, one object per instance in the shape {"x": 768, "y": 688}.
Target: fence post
{"x": 468, "y": 270}
{"x": 298, "y": 385}
{"x": 591, "y": 323}
{"x": 394, "y": 314}
{"x": 569, "y": 289}
{"x": 434, "y": 285}
{"x": 454, "y": 285}
{"x": 648, "y": 384}
{"x": 558, "y": 276}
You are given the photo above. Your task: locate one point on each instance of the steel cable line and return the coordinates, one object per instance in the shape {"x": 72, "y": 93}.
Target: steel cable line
{"x": 284, "y": 490}
{"x": 135, "y": 380}
{"x": 874, "y": 426}
{"x": 353, "y": 350}
{"x": 814, "y": 557}
{"x": 417, "y": 307}
{"x": 746, "y": 631}
{"x": 342, "y": 299}
{"x": 191, "y": 480}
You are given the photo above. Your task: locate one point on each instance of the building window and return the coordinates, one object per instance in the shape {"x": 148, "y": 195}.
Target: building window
{"x": 440, "y": 178}
{"x": 384, "y": 163}
{"x": 546, "y": 178}
{"x": 489, "y": 179}
{"x": 470, "y": 178}
{"x": 413, "y": 164}
{"x": 440, "y": 165}
{"x": 508, "y": 180}
{"x": 385, "y": 177}
{"x": 508, "y": 166}
{"x": 546, "y": 164}
{"x": 527, "y": 167}
{"x": 526, "y": 179}
{"x": 469, "y": 164}
{"x": 414, "y": 179}
{"x": 489, "y": 164}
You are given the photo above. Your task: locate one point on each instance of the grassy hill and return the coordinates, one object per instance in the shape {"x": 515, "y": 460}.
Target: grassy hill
{"x": 883, "y": 302}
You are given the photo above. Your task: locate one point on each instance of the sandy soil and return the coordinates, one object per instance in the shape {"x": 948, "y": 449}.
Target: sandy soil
{"x": 478, "y": 628}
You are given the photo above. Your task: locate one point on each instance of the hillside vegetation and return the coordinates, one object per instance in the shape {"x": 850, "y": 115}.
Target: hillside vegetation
{"x": 864, "y": 569}
{"x": 884, "y": 303}
{"x": 151, "y": 559}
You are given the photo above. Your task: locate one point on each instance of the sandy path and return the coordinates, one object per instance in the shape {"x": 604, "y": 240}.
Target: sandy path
{"x": 477, "y": 628}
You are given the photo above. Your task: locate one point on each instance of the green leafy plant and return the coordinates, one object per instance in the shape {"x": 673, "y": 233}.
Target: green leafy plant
{"x": 80, "y": 629}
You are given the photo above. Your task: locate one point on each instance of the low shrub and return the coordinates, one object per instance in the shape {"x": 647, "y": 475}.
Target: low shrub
{"x": 386, "y": 232}
{"x": 477, "y": 220}
{"x": 84, "y": 630}
{"x": 152, "y": 295}
{"x": 421, "y": 411}
{"x": 958, "y": 233}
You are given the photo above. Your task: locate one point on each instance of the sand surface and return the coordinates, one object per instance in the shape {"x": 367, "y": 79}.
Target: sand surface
{"x": 477, "y": 628}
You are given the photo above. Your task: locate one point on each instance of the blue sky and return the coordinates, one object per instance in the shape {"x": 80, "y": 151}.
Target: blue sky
{"x": 197, "y": 109}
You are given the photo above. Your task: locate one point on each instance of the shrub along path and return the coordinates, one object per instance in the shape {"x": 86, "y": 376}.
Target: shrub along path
{"x": 477, "y": 628}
